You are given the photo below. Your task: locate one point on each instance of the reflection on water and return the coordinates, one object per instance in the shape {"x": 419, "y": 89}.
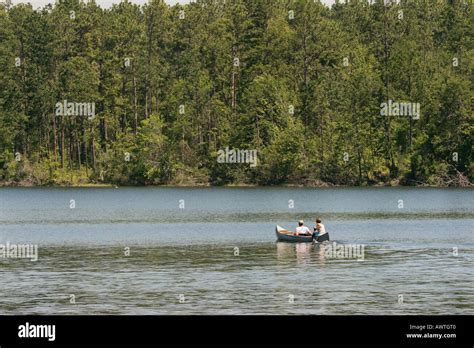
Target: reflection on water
{"x": 303, "y": 253}
{"x": 192, "y": 252}
{"x": 259, "y": 280}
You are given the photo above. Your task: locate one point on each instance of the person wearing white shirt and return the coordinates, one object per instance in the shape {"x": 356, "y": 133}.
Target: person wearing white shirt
{"x": 302, "y": 230}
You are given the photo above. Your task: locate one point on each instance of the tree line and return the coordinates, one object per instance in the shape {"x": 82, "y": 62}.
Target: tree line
{"x": 305, "y": 86}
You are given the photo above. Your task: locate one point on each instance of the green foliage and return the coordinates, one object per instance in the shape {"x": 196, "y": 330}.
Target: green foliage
{"x": 306, "y": 94}
{"x": 153, "y": 157}
{"x": 281, "y": 159}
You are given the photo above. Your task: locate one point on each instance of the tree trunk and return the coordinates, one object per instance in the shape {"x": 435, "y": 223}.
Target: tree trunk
{"x": 93, "y": 148}
{"x": 135, "y": 104}
{"x": 62, "y": 141}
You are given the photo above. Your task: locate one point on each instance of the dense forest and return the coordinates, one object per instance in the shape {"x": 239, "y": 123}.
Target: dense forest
{"x": 152, "y": 94}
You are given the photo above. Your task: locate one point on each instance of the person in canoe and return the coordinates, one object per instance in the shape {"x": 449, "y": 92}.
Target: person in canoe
{"x": 302, "y": 230}
{"x": 320, "y": 234}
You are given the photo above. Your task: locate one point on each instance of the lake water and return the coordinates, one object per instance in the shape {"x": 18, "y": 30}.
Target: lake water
{"x": 214, "y": 251}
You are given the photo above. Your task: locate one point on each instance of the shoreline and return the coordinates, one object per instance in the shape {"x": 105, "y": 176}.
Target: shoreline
{"x": 233, "y": 185}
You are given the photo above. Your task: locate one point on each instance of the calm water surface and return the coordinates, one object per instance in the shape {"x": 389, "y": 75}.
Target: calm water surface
{"x": 191, "y": 251}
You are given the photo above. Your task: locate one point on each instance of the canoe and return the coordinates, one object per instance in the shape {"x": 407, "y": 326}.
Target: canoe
{"x": 287, "y": 236}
